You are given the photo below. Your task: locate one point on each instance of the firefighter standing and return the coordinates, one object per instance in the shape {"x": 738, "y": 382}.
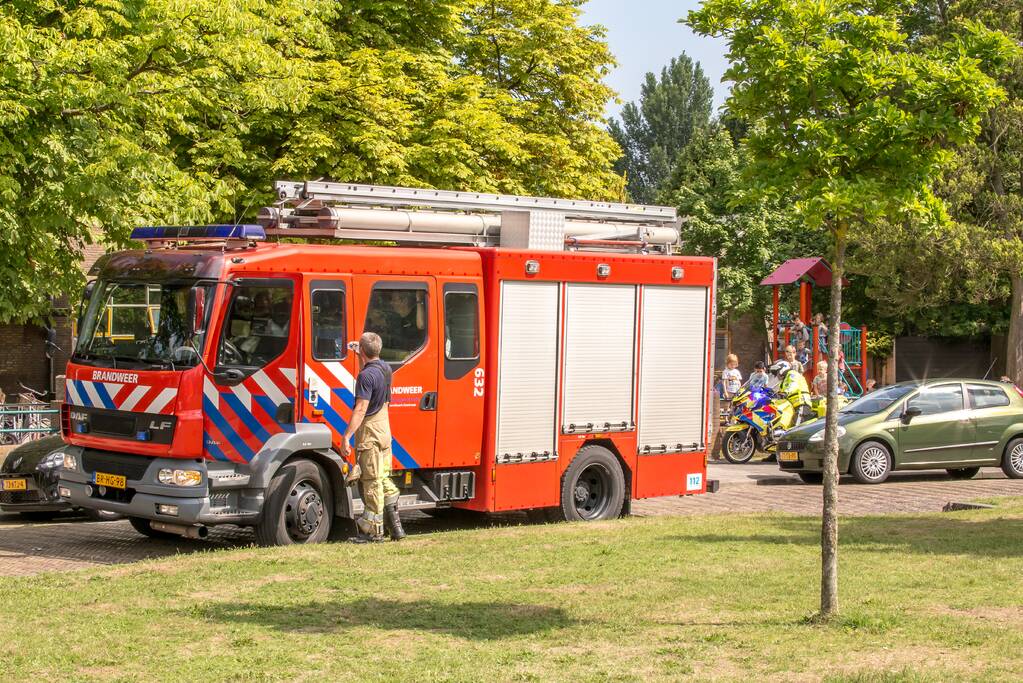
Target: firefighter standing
{"x": 372, "y": 432}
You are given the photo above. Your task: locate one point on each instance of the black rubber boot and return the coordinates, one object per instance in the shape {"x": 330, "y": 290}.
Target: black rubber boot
{"x": 392, "y": 522}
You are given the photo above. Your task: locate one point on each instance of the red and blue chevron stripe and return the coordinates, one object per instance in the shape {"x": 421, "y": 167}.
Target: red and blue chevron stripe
{"x": 239, "y": 419}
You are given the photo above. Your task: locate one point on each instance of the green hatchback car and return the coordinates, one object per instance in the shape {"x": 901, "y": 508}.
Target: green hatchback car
{"x": 951, "y": 424}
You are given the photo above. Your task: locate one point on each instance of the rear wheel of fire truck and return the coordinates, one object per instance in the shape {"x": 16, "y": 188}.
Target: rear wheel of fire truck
{"x": 144, "y": 527}
{"x": 739, "y": 447}
{"x": 299, "y": 506}
{"x": 592, "y": 488}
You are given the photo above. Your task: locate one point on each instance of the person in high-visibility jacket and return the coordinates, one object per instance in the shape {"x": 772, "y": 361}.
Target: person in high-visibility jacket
{"x": 792, "y": 384}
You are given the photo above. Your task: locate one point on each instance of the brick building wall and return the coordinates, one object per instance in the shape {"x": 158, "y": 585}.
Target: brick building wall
{"x": 745, "y": 336}
{"x": 23, "y": 346}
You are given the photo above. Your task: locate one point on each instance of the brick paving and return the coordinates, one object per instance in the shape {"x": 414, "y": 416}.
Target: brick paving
{"x": 71, "y": 542}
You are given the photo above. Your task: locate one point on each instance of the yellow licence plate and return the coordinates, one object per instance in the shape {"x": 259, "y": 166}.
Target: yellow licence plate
{"x": 788, "y": 455}
{"x": 115, "y": 481}
{"x": 15, "y": 484}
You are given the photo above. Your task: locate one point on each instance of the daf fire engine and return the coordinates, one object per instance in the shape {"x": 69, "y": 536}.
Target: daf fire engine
{"x": 549, "y": 355}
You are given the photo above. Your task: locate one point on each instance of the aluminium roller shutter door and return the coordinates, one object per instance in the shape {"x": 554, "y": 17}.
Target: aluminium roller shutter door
{"x": 600, "y": 333}
{"x": 673, "y": 366}
{"x": 527, "y": 371}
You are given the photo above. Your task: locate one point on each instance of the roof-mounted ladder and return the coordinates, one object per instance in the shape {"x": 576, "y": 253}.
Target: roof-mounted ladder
{"x": 423, "y": 216}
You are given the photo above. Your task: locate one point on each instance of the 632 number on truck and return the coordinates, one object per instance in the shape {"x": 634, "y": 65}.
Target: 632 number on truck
{"x": 548, "y": 355}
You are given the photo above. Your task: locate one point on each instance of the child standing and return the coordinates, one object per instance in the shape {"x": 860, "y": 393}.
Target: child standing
{"x": 731, "y": 378}
{"x": 759, "y": 376}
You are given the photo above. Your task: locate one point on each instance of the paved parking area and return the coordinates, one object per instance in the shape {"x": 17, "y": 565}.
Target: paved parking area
{"x": 73, "y": 543}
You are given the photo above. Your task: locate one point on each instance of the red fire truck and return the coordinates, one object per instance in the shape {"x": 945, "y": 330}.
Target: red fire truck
{"x": 549, "y": 355}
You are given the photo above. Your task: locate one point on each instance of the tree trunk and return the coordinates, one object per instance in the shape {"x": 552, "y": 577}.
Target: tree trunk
{"x": 829, "y": 513}
{"x": 1014, "y": 348}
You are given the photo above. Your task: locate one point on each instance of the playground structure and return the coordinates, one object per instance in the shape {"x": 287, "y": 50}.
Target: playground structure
{"x": 809, "y": 273}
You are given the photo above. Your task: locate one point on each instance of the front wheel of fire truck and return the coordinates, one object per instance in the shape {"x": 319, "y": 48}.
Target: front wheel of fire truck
{"x": 299, "y": 506}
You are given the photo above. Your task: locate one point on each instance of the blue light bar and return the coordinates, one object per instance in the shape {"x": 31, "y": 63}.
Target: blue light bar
{"x": 199, "y": 232}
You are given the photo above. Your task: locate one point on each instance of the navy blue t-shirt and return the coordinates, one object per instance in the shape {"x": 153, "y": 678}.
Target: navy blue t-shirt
{"x": 374, "y": 385}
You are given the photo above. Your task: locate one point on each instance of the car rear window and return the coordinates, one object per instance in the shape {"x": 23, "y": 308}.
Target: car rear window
{"x": 982, "y": 396}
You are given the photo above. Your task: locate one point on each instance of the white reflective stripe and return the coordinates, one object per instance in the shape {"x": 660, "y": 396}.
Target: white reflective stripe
{"x": 90, "y": 391}
{"x": 318, "y": 385}
{"x": 243, "y": 395}
{"x": 162, "y": 399}
{"x": 134, "y": 397}
{"x": 210, "y": 391}
{"x": 112, "y": 390}
{"x": 271, "y": 390}
{"x": 341, "y": 372}
{"x": 72, "y": 393}
{"x": 290, "y": 374}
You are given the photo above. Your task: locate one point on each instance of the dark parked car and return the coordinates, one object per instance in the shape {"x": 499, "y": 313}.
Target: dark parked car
{"x": 955, "y": 425}
{"x": 28, "y": 480}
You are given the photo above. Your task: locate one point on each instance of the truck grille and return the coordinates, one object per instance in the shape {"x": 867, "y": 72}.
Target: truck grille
{"x": 131, "y": 466}
{"x": 116, "y": 425}
{"x": 19, "y": 497}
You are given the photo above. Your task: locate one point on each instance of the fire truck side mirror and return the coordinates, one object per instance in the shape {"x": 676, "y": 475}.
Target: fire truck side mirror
{"x": 84, "y": 304}
{"x": 198, "y": 306}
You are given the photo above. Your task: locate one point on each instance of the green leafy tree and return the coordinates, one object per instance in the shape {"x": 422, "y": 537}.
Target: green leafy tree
{"x": 986, "y": 189}
{"x": 747, "y": 234}
{"x": 116, "y": 113}
{"x": 653, "y": 133}
{"x": 853, "y": 124}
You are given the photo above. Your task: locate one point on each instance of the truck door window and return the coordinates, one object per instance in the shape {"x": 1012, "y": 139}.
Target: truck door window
{"x": 328, "y": 317}
{"x": 397, "y": 312}
{"x": 461, "y": 326}
{"x": 461, "y": 329}
{"x": 258, "y": 324}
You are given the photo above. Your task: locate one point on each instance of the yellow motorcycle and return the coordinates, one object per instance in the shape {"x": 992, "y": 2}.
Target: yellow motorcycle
{"x": 760, "y": 415}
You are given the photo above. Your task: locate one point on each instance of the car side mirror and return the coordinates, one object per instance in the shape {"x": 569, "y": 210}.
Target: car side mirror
{"x": 909, "y": 413}
{"x": 198, "y": 306}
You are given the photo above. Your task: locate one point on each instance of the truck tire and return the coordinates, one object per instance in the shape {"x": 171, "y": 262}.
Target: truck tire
{"x": 143, "y": 527}
{"x": 299, "y": 506}
{"x": 1012, "y": 460}
{"x": 871, "y": 463}
{"x": 593, "y": 487}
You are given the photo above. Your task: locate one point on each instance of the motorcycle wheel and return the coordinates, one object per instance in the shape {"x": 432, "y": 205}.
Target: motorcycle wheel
{"x": 739, "y": 447}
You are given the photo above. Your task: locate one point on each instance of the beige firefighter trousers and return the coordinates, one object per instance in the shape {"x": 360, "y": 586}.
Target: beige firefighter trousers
{"x": 373, "y": 453}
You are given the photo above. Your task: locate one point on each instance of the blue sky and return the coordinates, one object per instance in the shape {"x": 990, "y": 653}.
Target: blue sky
{"x": 644, "y": 35}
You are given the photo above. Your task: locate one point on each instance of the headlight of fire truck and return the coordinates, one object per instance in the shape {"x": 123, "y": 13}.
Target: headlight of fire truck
{"x": 819, "y": 436}
{"x": 70, "y": 461}
{"x": 179, "y": 477}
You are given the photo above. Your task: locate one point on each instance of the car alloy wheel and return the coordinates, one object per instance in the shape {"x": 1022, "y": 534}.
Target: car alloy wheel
{"x": 1016, "y": 458}
{"x": 874, "y": 462}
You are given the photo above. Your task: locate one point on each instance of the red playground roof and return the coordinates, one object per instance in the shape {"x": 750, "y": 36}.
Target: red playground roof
{"x": 816, "y": 270}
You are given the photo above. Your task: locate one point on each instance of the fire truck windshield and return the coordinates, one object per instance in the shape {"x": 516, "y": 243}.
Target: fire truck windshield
{"x": 137, "y": 324}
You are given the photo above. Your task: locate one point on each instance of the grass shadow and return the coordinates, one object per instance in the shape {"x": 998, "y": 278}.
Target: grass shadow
{"x": 468, "y": 620}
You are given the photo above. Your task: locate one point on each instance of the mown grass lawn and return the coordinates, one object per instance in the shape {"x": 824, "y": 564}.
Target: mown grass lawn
{"x": 924, "y": 597}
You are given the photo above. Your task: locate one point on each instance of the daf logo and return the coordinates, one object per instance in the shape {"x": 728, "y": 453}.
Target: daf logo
{"x": 159, "y": 426}
{"x": 79, "y": 417}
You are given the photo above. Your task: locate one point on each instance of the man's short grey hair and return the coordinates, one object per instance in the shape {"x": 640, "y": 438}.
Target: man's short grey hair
{"x": 371, "y": 344}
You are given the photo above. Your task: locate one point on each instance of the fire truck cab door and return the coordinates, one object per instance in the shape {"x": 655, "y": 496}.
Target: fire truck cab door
{"x": 250, "y": 396}
{"x": 329, "y": 367}
{"x": 400, "y": 309}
